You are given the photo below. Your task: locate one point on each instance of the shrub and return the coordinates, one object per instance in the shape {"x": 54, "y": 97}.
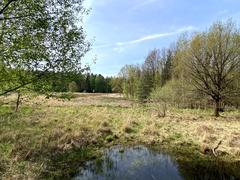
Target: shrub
{"x": 73, "y": 87}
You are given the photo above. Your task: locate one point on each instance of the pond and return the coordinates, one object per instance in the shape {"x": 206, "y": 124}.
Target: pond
{"x": 141, "y": 163}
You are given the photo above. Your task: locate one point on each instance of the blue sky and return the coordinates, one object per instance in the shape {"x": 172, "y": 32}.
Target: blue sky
{"x": 124, "y": 31}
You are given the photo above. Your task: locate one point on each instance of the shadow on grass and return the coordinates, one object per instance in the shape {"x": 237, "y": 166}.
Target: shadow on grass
{"x": 205, "y": 169}
{"x": 64, "y": 165}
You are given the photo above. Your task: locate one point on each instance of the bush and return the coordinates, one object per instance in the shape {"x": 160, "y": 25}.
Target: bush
{"x": 73, "y": 87}
{"x": 163, "y": 94}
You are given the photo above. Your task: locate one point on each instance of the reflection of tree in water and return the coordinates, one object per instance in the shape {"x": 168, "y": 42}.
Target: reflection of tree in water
{"x": 132, "y": 163}
{"x": 142, "y": 163}
{"x": 101, "y": 167}
{"x": 209, "y": 170}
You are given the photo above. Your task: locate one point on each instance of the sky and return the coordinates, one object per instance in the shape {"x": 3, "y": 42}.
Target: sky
{"x": 124, "y": 31}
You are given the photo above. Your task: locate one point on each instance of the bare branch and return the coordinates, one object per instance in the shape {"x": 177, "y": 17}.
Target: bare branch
{"x": 6, "y": 6}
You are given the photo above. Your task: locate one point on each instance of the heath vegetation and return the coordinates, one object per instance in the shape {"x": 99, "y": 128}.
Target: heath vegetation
{"x": 50, "y": 138}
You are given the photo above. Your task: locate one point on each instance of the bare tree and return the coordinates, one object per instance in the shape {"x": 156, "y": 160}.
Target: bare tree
{"x": 151, "y": 63}
{"x": 215, "y": 60}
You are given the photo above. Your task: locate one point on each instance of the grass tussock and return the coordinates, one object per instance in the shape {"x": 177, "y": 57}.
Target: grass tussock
{"x": 50, "y": 138}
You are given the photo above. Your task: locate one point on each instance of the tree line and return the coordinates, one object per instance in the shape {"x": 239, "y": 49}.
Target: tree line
{"x": 89, "y": 83}
{"x": 199, "y": 70}
{"x": 42, "y": 45}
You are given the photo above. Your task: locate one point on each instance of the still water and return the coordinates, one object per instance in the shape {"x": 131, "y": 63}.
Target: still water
{"x": 141, "y": 163}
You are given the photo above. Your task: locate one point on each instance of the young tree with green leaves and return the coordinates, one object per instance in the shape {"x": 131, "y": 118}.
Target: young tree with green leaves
{"x": 73, "y": 87}
{"x": 131, "y": 75}
{"x": 40, "y": 37}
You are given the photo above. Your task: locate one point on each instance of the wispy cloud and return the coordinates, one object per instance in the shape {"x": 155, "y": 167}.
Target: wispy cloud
{"x": 120, "y": 47}
{"x": 155, "y": 36}
{"x": 144, "y": 3}
{"x": 100, "y": 46}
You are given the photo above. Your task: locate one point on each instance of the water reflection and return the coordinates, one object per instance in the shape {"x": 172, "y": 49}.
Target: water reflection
{"x": 140, "y": 163}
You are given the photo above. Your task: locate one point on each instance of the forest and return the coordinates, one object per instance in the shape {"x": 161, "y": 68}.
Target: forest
{"x": 198, "y": 71}
{"x": 77, "y": 82}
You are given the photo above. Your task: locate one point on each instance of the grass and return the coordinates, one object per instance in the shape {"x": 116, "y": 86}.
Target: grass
{"x": 51, "y": 138}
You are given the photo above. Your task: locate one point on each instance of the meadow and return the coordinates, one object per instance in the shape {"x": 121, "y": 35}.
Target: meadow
{"x": 49, "y": 138}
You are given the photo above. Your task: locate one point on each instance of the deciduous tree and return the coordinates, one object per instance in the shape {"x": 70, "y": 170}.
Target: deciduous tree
{"x": 214, "y": 62}
{"x": 38, "y": 37}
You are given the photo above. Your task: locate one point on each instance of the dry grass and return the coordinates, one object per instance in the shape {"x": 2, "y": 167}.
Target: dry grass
{"x": 45, "y": 128}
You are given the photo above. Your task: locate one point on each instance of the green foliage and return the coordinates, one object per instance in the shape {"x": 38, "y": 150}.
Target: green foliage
{"x": 39, "y": 37}
{"x": 73, "y": 87}
{"x": 131, "y": 76}
{"x": 88, "y": 83}
{"x": 92, "y": 82}
{"x": 138, "y": 82}
{"x": 167, "y": 68}
{"x": 214, "y": 61}
{"x": 196, "y": 72}
{"x": 143, "y": 89}
{"x": 163, "y": 94}
{"x": 117, "y": 84}
{"x": 100, "y": 84}
{"x": 74, "y": 82}
{"x": 178, "y": 93}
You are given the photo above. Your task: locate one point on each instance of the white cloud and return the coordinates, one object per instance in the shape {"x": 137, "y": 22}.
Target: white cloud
{"x": 120, "y": 47}
{"x": 155, "y": 36}
{"x": 100, "y": 46}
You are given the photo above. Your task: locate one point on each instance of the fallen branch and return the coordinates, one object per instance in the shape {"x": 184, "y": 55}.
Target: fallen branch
{"x": 28, "y": 154}
{"x": 214, "y": 149}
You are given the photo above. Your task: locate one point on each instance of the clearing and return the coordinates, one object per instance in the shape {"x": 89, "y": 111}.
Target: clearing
{"x": 50, "y": 138}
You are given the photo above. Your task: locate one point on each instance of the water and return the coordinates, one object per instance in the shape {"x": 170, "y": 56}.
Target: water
{"x": 141, "y": 163}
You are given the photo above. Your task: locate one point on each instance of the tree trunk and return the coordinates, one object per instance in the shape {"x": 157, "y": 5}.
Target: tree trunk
{"x": 217, "y": 108}
{"x": 18, "y": 101}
